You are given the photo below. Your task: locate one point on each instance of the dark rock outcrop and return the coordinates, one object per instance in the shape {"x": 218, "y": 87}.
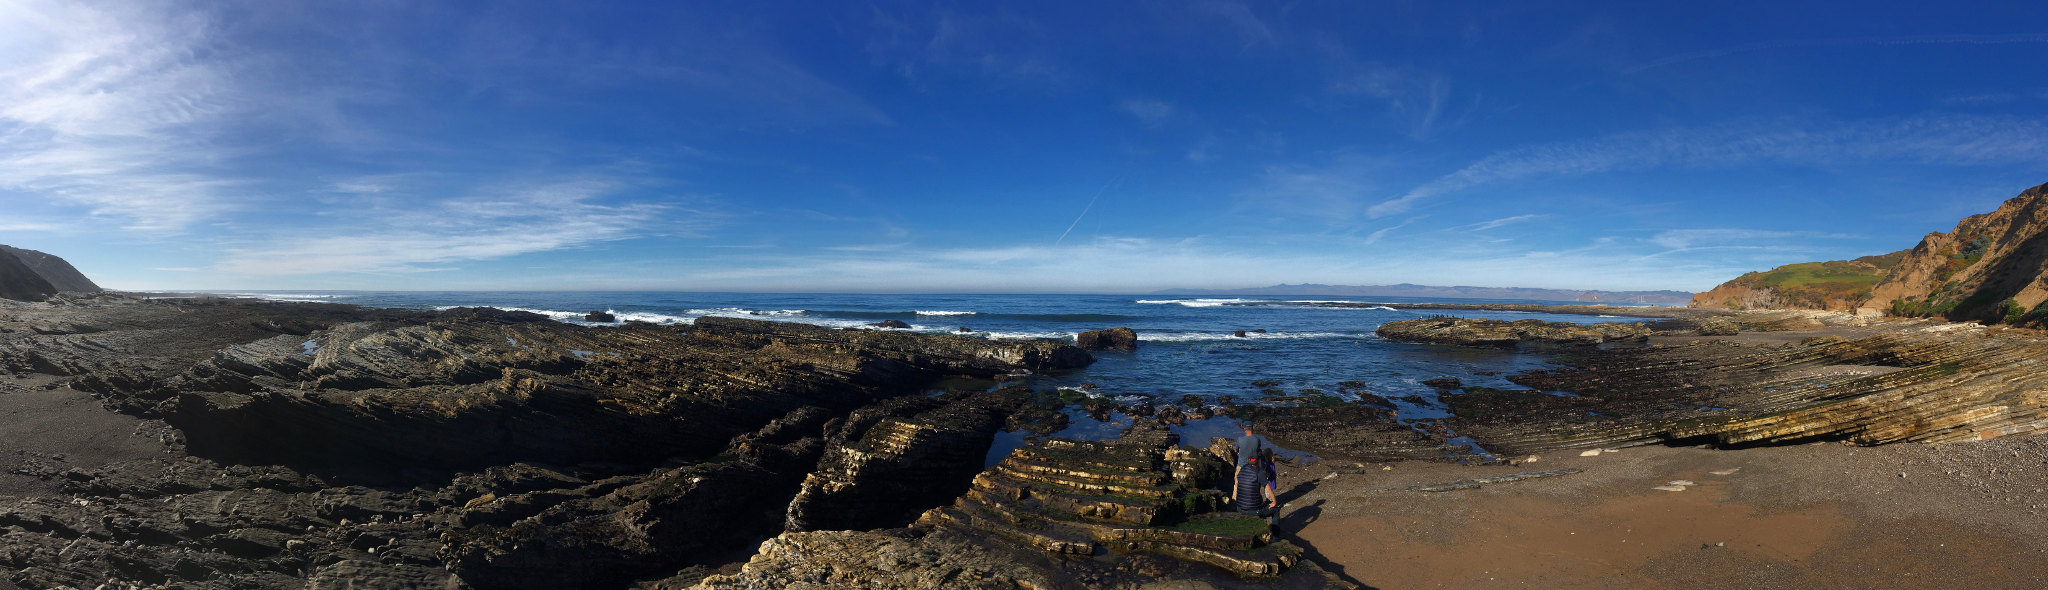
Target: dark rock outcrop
{"x": 885, "y": 473}
{"x": 59, "y": 273}
{"x": 508, "y": 450}
{"x": 21, "y": 283}
{"x": 892, "y": 324}
{"x": 1124, "y": 339}
{"x": 1499, "y": 333}
{"x": 602, "y": 317}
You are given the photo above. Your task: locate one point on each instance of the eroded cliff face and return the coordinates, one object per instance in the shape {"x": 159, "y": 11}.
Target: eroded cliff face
{"x": 1992, "y": 267}
{"x": 1969, "y": 272}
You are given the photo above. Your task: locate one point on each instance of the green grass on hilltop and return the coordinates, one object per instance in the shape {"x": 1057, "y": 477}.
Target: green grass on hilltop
{"x": 1814, "y": 284}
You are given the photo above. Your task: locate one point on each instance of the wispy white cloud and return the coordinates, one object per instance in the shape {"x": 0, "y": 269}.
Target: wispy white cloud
{"x": 1494, "y": 223}
{"x": 109, "y": 107}
{"x": 1331, "y": 193}
{"x": 494, "y": 225}
{"x": 1695, "y": 238}
{"x": 1374, "y": 237}
{"x": 1839, "y": 42}
{"x": 1936, "y": 140}
{"x": 1251, "y": 29}
{"x": 1151, "y": 112}
{"x": 29, "y": 226}
{"x": 1414, "y": 100}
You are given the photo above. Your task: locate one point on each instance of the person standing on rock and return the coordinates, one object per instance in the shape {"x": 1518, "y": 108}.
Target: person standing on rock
{"x": 1253, "y": 491}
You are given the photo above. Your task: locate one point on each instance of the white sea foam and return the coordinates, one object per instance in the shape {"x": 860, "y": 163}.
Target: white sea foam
{"x": 1195, "y": 302}
{"x": 290, "y": 297}
{"x": 942, "y": 312}
{"x": 1025, "y": 335}
{"x": 652, "y": 318}
{"x": 741, "y": 312}
{"x": 1215, "y": 337}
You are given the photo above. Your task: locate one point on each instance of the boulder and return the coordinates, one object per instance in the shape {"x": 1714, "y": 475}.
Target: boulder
{"x": 1239, "y": 334}
{"x": 895, "y": 324}
{"x": 600, "y": 316}
{"x": 1110, "y": 339}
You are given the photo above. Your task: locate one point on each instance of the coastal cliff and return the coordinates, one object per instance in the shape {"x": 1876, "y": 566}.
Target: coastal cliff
{"x": 20, "y": 283}
{"x": 56, "y": 271}
{"x": 1992, "y": 267}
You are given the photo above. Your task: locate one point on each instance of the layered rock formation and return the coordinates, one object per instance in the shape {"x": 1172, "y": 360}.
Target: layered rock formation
{"x": 59, "y": 273}
{"x": 1144, "y": 507}
{"x": 1938, "y": 383}
{"x": 1500, "y": 333}
{"x": 327, "y": 446}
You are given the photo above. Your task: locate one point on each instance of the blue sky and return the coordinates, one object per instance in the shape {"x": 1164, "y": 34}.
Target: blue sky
{"x": 973, "y": 146}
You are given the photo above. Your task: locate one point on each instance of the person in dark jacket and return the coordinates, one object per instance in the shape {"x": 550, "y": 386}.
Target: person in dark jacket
{"x": 1254, "y": 489}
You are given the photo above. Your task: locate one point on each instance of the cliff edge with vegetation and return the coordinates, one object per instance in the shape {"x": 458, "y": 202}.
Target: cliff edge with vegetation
{"x": 1993, "y": 267}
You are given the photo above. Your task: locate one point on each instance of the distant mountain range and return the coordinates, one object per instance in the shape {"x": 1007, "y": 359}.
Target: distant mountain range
{"x": 1413, "y": 290}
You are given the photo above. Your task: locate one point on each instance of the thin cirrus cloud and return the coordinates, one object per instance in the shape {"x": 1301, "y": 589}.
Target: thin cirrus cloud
{"x": 1685, "y": 239}
{"x": 1151, "y": 112}
{"x": 112, "y": 108}
{"x": 1837, "y": 42}
{"x": 551, "y": 217}
{"x": 1936, "y": 140}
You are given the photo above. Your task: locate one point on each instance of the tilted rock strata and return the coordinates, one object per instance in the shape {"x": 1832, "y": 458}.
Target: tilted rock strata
{"x": 901, "y": 465}
{"x": 1941, "y": 383}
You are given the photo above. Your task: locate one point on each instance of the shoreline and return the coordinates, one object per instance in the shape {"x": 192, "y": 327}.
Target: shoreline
{"x": 188, "y": 437}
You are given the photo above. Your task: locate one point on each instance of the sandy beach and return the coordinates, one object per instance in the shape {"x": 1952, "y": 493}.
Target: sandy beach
{"x": 1817, "y": 515}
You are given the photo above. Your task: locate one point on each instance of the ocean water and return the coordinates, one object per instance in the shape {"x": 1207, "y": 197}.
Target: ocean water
{"x": 1186, "y": 344}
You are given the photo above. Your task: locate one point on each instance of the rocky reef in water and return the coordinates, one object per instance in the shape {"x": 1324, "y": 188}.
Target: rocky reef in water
{"x": 1502, "y": 333}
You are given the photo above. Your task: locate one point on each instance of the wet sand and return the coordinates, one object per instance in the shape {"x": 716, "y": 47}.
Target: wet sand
{"x": 1822, "y": 515}
{"x": 49, "y": 430}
